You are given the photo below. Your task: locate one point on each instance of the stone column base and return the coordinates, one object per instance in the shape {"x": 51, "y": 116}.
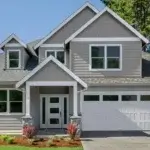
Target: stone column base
{"x": 77, "y": 120}
{"x": 27, "y": 120}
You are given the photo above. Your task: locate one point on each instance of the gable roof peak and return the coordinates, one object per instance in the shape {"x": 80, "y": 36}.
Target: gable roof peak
{"x": 116, "y": 16}
{"x": 87, "y": 4}
{"x": 9, "y": 38}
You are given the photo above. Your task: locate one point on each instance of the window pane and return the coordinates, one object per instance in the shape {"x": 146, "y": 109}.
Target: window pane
{"x": 43, "y": 110}
{"x": 54, "y": 121}
{"x": 91, "y": 98}
{"x": 97, "y": 51}
{"x": 60, "y": 57}
{"x": 65, "y": 110}
{"x": 13, "y": 63}
{"x": 97, "y": 63}
{"x": 50, "y": 53}
{"x": 13, "y": 55}
{"x": 54, "y": 100}
{"x": 110, "y": 97}
{"x": 113, "y": 63}
{"x": 3, "y": 107}
{"x": 113, "y": 51}
{"x": 3, "y": 95}
{"x": 15, "y": 95}
{"x": 16, "y": 107}
{"x": 129, "y": 97}
{"x": 145, "y": 97}
{"x": 54, "y": 110}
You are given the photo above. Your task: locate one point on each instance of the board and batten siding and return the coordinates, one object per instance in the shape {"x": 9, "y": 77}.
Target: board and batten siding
{"x": 131, "y": 59}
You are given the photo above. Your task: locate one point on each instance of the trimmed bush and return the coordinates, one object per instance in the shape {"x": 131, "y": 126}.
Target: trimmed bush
{"x": 29, "y": 131}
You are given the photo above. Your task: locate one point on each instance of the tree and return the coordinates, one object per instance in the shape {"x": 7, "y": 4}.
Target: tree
{"x": 135, "y": 12}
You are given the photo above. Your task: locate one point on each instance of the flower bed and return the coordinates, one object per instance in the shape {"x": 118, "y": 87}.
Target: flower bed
{"x": 44, "y": 142}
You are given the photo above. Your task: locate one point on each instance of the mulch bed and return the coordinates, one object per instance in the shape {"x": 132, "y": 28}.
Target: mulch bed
{"x": 42, "y": 142}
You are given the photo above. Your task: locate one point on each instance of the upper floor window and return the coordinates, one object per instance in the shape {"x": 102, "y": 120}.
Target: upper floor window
{"x": 105, "y": 57}
{"x": 13, "y": 59}
{"x": 59, "y": 54}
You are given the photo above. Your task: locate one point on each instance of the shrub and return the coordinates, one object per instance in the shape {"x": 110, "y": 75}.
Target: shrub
{"x": 29, "y": 131}
{"x": 72, "y": 130}
{"x": 4, "y": 138}
{"x": 10, "y": 140}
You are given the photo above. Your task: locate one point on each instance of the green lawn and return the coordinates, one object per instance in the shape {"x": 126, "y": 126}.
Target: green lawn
{"x": 30, "y": 148}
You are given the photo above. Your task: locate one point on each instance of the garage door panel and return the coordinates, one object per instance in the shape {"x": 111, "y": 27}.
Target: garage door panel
{"x": 101, "y": 116}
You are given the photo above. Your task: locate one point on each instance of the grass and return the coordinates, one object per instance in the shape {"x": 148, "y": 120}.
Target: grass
{"x": 32, "y": 148}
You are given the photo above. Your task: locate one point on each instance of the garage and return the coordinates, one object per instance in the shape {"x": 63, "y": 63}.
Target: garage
{"x": 112, "y": 111}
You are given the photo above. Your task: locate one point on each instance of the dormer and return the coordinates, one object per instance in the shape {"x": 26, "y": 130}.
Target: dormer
{"x": 16, "y": 54}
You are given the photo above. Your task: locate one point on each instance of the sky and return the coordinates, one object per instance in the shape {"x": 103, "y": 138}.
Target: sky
{"x": 33, "y": 19}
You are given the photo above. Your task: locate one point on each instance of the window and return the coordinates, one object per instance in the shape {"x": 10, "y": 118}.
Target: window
{"x": 60, "y": 55}
{"x": 11, "y": 101}
{"x": 110, "y": 98}
{"x": 145, "y": 97}
{"x": 129, "y": 97}
{"x": 13, "y": 59}
{"x": 3, "y": 101}
{"x": 105, "y": 57}
{"x": 91, "y": 98}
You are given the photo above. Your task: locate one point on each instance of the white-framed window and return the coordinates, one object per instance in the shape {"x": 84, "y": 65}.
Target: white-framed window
{"x": 58, "y": 54}
{"x": 11, "y": 101}
{"x": 105, "y": 57}
{"x": 13, "y": 59}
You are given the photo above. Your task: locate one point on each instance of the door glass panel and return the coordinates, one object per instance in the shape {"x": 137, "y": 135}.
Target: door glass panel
{"x": 54, "y": 121}
{"x": 43, "y": 110}
{"x": 65, "y": 110}
{"x": 54, "y": 110}
{"x": 54, "y": 100}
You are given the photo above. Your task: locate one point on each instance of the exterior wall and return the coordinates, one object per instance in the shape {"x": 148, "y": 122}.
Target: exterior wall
{"x": 24, "y": 55}
{"x": 106, "y": 26}
{"x": 131, "y": 60}
{"x": 116, "y": 115}
{"x": 51, "y": 72}
{"x": 72, "y": 26}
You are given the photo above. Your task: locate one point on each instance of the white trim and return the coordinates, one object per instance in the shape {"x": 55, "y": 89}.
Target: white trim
{"x": 105, "y": 54}
{"x": 106, "y": 9}
{"x": 65, "y": 22}
{"x": 13, "y": 50}
{"x": 55, "y": 53}
{"x": 105, "y": 39}
{"x": 51, "y": 58}
{"x": 13, "y": 45}
{"x": 52, "y": 45}
{"x": 75, "y": 100}
{"x": 13, "y": 36}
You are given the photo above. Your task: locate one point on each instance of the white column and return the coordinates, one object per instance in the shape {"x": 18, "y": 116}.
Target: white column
{"x": 28, "y": 100}
{"x": 75, "y": 103}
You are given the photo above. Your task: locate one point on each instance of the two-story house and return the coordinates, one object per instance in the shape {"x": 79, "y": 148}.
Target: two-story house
{"x": 91, "y": 69}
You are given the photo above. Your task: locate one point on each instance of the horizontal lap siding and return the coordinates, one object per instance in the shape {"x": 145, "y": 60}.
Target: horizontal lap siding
{"x": 131, "y": 63}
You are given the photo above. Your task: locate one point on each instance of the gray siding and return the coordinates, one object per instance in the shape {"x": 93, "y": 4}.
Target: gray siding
{"x": 106, "y": 26}
{"x": 51, "y": 72}
{"x": 131, "y": 62}
{"x": 72, "y": 26}
{"x": 11, "y": 122}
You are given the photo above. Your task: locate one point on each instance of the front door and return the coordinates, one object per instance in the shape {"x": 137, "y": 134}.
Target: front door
{"x": 54, "y": 111}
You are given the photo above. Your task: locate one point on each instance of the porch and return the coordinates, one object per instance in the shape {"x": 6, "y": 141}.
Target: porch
{"x": 50, "y": 105}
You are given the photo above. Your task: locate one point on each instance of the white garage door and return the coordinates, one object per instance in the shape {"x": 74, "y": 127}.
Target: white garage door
{"x": 120, "y": 111}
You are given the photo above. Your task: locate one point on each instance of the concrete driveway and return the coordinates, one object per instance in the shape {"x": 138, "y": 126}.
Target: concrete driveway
{"x": 117, "y": 143}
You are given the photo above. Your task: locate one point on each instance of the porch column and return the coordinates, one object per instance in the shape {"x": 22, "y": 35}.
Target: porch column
{"x": 75, "y": 102}
{"x": 27, "y": 119}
